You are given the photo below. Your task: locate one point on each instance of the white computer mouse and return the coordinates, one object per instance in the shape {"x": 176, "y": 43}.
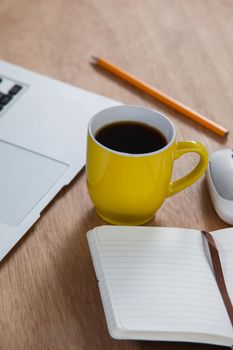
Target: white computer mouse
{"x": 220, "y": 183}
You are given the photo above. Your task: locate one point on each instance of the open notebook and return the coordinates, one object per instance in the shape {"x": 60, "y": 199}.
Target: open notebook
{"x": 158, "y": 283}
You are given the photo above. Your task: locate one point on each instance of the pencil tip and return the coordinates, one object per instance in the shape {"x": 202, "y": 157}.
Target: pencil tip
{"x": 94, "y": 60}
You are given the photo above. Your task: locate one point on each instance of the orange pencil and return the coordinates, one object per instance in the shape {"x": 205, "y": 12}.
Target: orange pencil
{"x": 169, "y": 101}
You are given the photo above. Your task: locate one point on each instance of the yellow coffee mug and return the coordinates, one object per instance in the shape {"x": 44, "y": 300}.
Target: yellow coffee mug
{"x": 127, "y": 189}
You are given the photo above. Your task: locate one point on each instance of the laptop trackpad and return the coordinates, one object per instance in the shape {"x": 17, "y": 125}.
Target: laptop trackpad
{"x": 25, "y": 177}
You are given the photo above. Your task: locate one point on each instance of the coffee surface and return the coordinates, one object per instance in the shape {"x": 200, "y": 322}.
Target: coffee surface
{"x": 131, "y": 137}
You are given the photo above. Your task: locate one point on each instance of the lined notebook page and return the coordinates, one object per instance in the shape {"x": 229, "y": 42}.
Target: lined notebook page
{"x": 158, "y": 280}
{"x": 224, "y": 241}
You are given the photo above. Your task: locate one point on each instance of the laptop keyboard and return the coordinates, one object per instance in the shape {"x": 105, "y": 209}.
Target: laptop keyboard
{"x": 9, "y": 90}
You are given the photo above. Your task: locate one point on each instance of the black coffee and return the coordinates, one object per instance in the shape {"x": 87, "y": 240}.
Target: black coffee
{"x": 131, "y": 137}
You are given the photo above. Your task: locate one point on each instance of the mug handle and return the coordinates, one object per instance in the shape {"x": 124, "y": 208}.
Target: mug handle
{"x": 182, "y": 148}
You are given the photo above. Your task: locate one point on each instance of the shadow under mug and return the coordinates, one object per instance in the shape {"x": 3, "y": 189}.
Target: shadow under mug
{"x": 128, "y": 189}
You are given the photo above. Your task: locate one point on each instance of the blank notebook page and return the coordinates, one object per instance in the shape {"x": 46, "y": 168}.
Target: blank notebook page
{"x": 157, "y": 279}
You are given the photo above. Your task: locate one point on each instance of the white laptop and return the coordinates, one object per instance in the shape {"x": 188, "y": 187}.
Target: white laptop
{"x": 43, "y": 128}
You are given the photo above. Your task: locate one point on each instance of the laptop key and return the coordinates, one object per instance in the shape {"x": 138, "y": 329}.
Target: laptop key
{"x": 5, "y": 99}
{"x": 15, "y": 89}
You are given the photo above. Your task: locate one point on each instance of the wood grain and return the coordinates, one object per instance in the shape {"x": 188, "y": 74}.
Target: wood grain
{"x": 48, "y": 292}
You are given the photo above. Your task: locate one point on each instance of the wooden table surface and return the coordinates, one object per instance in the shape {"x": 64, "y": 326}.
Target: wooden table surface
{"x": 49, "y": 297}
